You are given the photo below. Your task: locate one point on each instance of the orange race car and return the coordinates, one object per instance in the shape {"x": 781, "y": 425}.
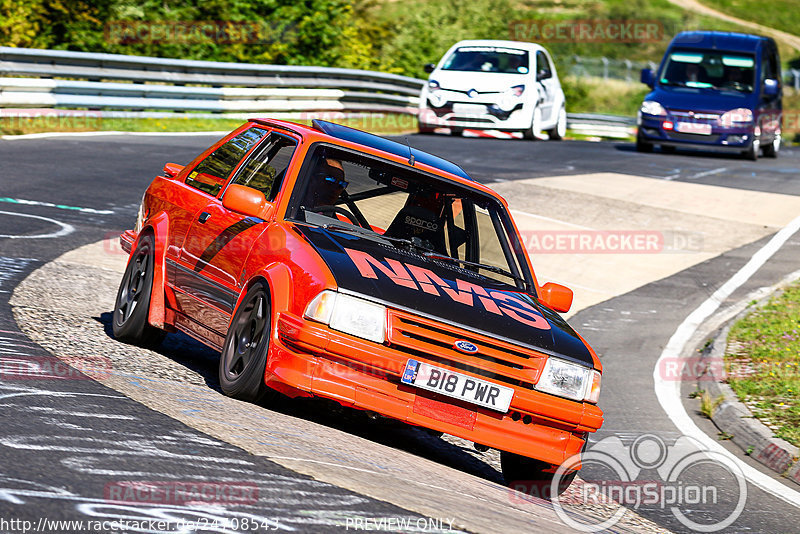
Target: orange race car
{"x": 328, "y": 261}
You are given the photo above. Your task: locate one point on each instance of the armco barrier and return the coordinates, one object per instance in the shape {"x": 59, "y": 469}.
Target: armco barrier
{"x": 139, "y": 86}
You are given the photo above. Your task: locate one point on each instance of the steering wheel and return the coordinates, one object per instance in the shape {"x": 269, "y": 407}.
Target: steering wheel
{"x": 337, "y": 209}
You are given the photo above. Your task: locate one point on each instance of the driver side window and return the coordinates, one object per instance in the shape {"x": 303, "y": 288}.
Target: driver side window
{"x": 543, "y": 70}
{"x": 266, "y": 169}
{"x": 211, "y": 174}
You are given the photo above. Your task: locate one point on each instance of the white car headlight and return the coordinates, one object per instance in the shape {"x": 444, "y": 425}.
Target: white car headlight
{"x": 510, "y": 97}
{"x": 569, "y": 380}
{"x": 348, "y": 314}
{"x": 736, "y": 116}
{"x": 651, "y": 107}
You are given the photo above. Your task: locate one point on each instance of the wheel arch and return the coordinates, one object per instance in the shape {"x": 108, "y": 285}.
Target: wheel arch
{"x": 158, "y": 228}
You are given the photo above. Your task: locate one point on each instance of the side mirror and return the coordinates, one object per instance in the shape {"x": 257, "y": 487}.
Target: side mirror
{"x": 247, "y": 201}
{"x": 429, "y": 67}
{"x": 770, "y": 87}
{"x": 171, "y": 170}
{"x": 556, "y": 296}
{"x": 648, "y": 77}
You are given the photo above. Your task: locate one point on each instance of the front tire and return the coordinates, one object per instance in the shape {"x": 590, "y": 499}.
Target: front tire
{"x": 132, "y": 305}
{"x": 752, "y": 152}
{"x": 560, "y": 131}
{"x": 535, "y": 129}
{"x": 532, "y": 477}
{"x": 243, "y": 360}
{"x": 642, "y": 145}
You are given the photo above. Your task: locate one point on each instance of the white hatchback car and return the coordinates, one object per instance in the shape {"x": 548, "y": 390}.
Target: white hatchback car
{"x": 494, "y": 85}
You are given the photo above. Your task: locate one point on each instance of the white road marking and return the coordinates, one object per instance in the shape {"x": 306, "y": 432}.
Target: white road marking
{"x": 668, "y": 391}
{"x": 708, "y": 173}
{"x": 66, "y": 229}
{"x": 51, "y": 205}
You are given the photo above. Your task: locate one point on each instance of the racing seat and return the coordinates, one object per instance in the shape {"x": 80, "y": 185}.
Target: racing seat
{"x": 419, "y": 222}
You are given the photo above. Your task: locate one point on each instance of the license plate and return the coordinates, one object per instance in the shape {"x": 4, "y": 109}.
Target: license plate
{"x": 457, "y": 385}
{"x": 694, "y": 128}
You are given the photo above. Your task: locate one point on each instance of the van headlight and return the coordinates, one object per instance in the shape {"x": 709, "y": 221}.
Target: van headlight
{"x": 348, "y": 314}
{"x": 736, "y": 116}
{"x": 569, "y": 380}
{"x": 651, "y": 107}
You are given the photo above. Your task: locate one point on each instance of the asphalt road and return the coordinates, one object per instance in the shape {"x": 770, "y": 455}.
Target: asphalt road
{"x": 63, "y": 440}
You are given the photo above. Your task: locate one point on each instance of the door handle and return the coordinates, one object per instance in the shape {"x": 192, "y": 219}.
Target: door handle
{"x": 204, "y": 217}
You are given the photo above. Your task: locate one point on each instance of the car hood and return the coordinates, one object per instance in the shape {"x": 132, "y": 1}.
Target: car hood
{"x": 483, "y": 82}
{"x": 407, "y": 280}
{"x": 690, "y": 98}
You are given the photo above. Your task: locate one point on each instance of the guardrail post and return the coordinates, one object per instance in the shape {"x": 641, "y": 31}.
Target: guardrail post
{"x": 605, "y": 67}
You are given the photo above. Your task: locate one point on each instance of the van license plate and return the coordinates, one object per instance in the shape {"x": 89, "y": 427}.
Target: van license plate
{"x": 457, "y": 385}
{"x": 694, "y": 128}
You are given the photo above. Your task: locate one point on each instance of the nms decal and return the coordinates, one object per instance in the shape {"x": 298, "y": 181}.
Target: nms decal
{"x": 418, "y": 278}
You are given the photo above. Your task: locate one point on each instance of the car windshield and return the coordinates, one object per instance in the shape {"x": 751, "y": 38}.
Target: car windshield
{"x": 488, "y": 59}
{"x": 705, "y": 69}
{"x": 427, "y": 216}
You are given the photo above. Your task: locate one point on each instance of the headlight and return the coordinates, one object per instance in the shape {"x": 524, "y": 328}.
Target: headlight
{"x": 435, "y": 95}
{"x": 351, "y": 315}
{"x": 569, "y": 380}
{"x": 510, "y": 97}
{"x": 736, "y": 116}
{"x": 651, "y": 107}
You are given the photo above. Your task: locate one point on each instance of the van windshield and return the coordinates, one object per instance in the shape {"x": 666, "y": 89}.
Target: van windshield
{"x": 709, "y": 69}
{"x": 488, "y": 59}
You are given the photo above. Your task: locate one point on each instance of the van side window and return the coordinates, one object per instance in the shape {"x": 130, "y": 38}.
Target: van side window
{"x": 266, "y": 168}
{"x": 211, "y": 174}
{"x": 543, "y": 70}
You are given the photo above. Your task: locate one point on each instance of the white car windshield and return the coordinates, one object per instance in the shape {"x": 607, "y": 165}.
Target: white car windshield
{"x": 488, "y": 59}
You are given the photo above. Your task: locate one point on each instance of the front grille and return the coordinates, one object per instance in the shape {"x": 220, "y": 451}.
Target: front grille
{"x": 433, "y": 342}
{"x": 679, "y": 136}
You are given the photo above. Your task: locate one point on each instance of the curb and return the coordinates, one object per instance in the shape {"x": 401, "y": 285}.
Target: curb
{"x": 734, "y": 417}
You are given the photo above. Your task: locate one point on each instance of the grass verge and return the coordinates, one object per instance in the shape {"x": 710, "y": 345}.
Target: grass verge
{"x": 763, "y": 363}
{"x": 382, "y": 124}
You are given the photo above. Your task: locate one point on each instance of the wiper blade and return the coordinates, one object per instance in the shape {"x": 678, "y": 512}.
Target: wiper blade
{"x": 467, "y": 263}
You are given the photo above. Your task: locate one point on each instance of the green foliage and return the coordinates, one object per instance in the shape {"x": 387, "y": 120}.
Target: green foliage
{"x": 767, "y": 342}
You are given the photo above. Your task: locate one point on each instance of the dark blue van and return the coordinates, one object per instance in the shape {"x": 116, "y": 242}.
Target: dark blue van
{"x": 714, "y": 91}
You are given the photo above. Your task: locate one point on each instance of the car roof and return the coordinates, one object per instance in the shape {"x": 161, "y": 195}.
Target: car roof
{"x": 360, "y": 137}
{"x": 729, "y": 41}
{"x": 522, "y": 45}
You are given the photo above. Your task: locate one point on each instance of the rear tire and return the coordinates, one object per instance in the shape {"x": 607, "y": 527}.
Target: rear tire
{"x": 132, "y": 306}
{"x": 560, "y": 131}
{"x": 243, "y": 360}
{"x": 532, "y": 477}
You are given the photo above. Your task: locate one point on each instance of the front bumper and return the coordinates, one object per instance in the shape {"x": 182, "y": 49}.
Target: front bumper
{"x": 484, "y": 114}
{"x": 320, "y": 361}
{"x": 724, "y": 139}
